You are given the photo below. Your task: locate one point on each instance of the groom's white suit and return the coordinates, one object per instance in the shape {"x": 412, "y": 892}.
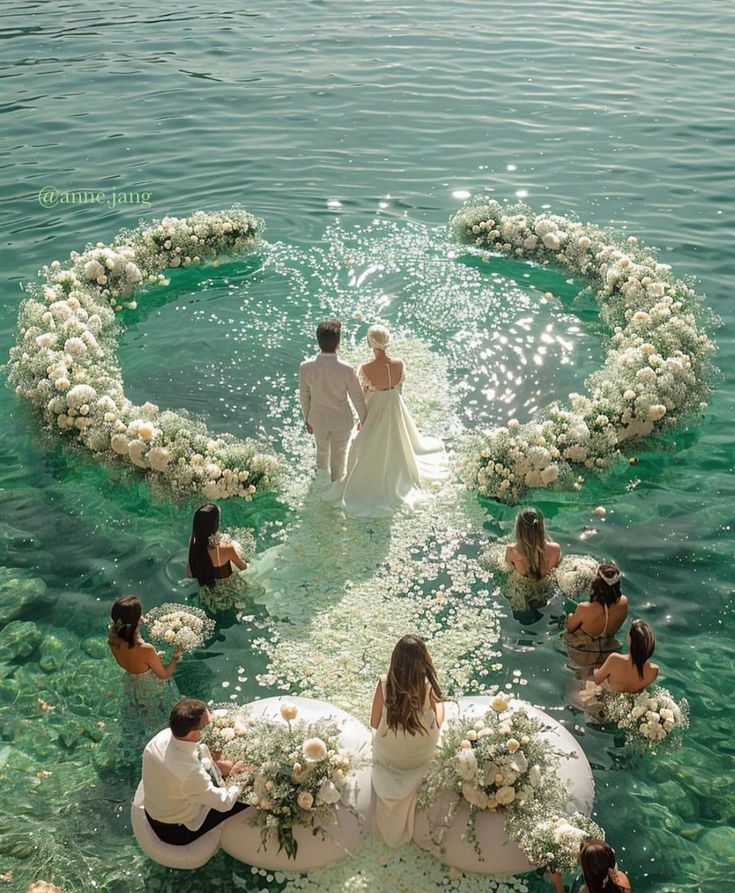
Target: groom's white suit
{"x": 325, "y": 383}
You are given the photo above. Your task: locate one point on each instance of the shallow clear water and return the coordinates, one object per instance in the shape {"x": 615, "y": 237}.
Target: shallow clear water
{"x": 354, "y": 130}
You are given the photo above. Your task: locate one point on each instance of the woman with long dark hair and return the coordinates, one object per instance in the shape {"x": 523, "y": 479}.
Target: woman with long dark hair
{"x": 532, "y": 555}
{"x": 634, "y": 671}
{"x": 210, "y": 560}
{"x": 407, "y": 714}
{"x": 149, "y": 690}
{"x": 598, "y": 862}
{"x": 592, "y": 626}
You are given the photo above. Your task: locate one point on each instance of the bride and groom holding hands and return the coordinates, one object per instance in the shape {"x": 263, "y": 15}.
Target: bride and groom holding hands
{"x": 383, "y": 469}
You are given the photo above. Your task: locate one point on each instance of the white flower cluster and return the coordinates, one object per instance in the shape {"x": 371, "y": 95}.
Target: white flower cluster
{"x": 656, "y": 369}
{"x": 553, "y": 842}
{"x": 650, "y": 720}
{"x": 179, "y": 625}
{"x": 575, "y": 574}
{"x": 296, "y": 773}
{"x": 65, "y": 364}
{"x": 497, "y": 762}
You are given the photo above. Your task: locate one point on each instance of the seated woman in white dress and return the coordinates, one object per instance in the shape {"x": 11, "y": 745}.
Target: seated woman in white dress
{"x": 389, "y": 461}
{"x": 407, "y": 715}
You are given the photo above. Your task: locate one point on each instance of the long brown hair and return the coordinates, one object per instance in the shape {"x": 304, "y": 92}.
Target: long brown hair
{"x": 206, "y": 523}
{"x": 642, "y": 644}
{"x": 598, "y": 862}
{"x": 531, "y": 540}
{"x": 124, "y": 619}
{"x": 411, "y": 668}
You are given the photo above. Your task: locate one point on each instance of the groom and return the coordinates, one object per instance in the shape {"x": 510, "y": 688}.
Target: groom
{"x": 325, "y": 383}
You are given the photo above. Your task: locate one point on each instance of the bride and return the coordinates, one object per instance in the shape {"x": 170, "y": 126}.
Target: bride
{"x": 389, "y": 460}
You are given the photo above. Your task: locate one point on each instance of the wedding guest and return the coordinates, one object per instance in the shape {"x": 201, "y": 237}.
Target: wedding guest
{"x": 406, "y": 716}
{"x": 184, "y": 795}
{"x": 631, "y": 672}
{"x": 148, "y": 688}
{"x": 592, "y": 626}
{"x": 208, "y": 560}
{"x": 597, "y": 859}
{"x": 532, "y": 555}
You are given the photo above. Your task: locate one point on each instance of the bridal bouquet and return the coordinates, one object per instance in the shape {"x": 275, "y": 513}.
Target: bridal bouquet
{"x": 297, "y": 769}
{"x": 552, "y": 842}
{"x": 651, "y": 719}
{"x": 179, "y": 625}
{"x": 496, "y": 762}
{"x": 575, "y": 574}
{"x": 239, "y": 537}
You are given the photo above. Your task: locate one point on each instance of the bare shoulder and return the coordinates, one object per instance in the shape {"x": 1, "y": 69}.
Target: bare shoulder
{"x": 622, "y": 880}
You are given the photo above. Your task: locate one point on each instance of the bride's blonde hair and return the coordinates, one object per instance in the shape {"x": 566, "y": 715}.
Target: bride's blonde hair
{"x": 378, "y": 336}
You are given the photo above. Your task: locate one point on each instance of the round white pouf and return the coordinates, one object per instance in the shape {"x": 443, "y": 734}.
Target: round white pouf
{"x": 503, "y": 856}
{"x": 193, "y": 855}
{"x": 342, "y": 837}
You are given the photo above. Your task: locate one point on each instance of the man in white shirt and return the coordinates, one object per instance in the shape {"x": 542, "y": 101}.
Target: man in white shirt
{"x": 183, "y": 788}
{"x": 325, "y": 383}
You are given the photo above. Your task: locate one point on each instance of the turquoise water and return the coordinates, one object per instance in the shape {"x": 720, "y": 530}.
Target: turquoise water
{"x": 354, "y": 130}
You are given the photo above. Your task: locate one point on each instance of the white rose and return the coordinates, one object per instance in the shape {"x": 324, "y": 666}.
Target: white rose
{"x": 228, "y": 733}
{"x": 136, "y": 452}
{"x": 120, "y": 444}
{"x": 305, "y": 800}
{"x": 329, "y": 793}
{"x": 62, "y": 383}
{"x": 655, "y": 412}
{"x": 550, "y": 474}
{"x": 159, "y": 458}
{"x": 93, "y": 269}
{"x": 499, "y": 703}
{"x": 314, "y": 750}
{"x": 48, "y": 339}
{"x": 505, "y": 795}
{"x": 513, "y": 745}
{"x": 169, "y": 635}
{"x": 467, "y": 764}
{"x": 289, "y": 711}
{"x": 475, "y": 796}
{"x": 146, "y": 431}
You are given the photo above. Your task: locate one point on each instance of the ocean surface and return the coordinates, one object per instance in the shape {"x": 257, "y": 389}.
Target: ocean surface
{"x": 355, "y": 130}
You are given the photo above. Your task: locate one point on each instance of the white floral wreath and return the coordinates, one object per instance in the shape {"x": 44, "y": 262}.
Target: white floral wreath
{"x": 656, "y": 368}
{"x": 65, "y": 361}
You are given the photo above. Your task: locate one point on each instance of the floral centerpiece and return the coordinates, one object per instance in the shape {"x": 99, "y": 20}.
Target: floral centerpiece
{"x": 496, "y": 762}
{"x": 296, "y": 772}
{"x": 552, "y": 843}
{"x": 652, "y": 720}
{"x": 65, "y": 360}
{"x": 182, "y": 626}
{"x": 657, "y": 363}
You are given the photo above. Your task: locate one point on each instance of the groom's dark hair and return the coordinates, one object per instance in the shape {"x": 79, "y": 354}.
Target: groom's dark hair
{"x": 328, "y": 334}
{"x": 186, "y": 716}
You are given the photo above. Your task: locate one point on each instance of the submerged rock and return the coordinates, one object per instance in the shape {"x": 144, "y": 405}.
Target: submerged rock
{"x": 19, "y": 639}
{"x": 21, "y": 594}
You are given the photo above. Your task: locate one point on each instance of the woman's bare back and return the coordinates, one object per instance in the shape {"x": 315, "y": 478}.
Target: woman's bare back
{"x": 384, "y": 374}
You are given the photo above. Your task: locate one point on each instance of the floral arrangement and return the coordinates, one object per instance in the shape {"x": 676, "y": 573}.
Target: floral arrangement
{"x": 296, "y": 769}
{"x": 179, "y": 625}
{"x": 239, "y": 537}
{"x": 65, "y": 363}
{"x": 651, "y": 720}
{"x": 552, "y": 843}
{"x": 575, "y": 574}
{"x": 656, "y": 369}
{"x": 496, "y": 762}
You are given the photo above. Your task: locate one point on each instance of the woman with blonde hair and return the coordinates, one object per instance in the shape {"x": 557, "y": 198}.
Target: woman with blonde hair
{"x": 390, "y": 461}
{"x": 532, "y": 555}
{"x": 407, "y": 714}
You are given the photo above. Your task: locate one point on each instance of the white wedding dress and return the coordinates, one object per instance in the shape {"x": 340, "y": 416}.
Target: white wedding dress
{"x": 390, "y": 462}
